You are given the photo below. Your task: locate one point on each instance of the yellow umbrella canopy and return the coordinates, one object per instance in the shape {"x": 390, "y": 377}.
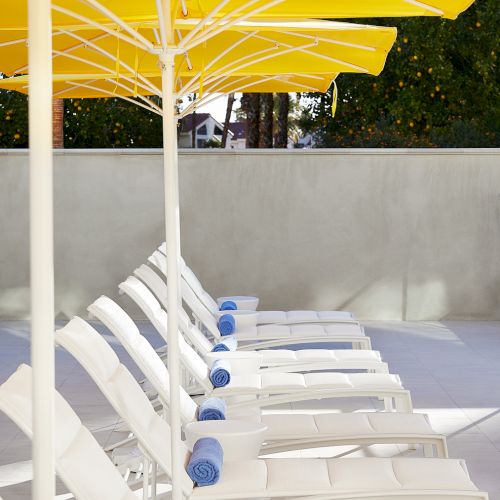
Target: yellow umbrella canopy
{"x": 245, "y": 48}
{"x": 145, "y": 10}
{"x": 97, "y": 86}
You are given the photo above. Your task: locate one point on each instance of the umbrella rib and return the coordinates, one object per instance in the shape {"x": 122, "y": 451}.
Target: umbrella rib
{"x": 299, "y": 48}
{"x": 215, "y": 83}
{"x": 425, "y": 6}
{"x": 98, "y": 26}
{"x": 117, "y": 82}
{"x": 161, "y": 22}
{"x": 110, "y": 56}
{"x": 69, "y": 89}
{"x": 216, "y": 23}
{"x": 184, "y": 8}
{"x": 156, "y": 35}
{"x": 230, "y": 48}
{"x": 100, "y": 66}
{"x": 77, "y": 46}
{"x": 111, "y": 94}
{"x": 222, "y": 91}
{"x": 340, "y": 61}
{"x": 113, "y": 17}
{"x": 215, "y": 31}
{"x": 215, "y": 59}
{"x": 217, "y": 74}
{"x": 313, "y": 77}
{"x": 303, "y": 85}
{"x": 329, "y": 40}
{"x": 13, "y": 42}
{"x": 204, "y": 21}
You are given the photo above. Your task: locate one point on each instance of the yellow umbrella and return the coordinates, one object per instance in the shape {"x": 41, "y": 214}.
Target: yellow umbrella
{"x": 15, "y": 13}
{"x": 95, "y": 63}
{"x": 245, "y": 48}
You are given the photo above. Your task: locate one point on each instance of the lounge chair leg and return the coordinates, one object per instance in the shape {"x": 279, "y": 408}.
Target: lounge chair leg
{"x": 388, "y": 404}
{"x": 442, "y": 448}
{"x": 403, "y": 403}
{"x": 145, "y": 478}
{"x": 130, "y": 439}
{"x": 154, "y": 470}
{"x": 428, "y": 450}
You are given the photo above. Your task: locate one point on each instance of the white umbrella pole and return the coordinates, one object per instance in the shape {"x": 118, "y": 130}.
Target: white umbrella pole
{"x": 41, "y": 246}
{"x": 172, "y": 240}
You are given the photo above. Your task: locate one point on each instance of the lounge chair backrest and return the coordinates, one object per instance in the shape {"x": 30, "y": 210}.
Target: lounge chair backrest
{"x": 154, "y": 282}
{"x": 149, "y": 277}
{"x": 195, "y": 284}
{"x": 141, "y": 351}
{"x": 159, "y": 260}
{"x": 122, "y": 391}
{"x": 199, "y": 310}
{"x": 76, "y": 450}
{"x": 139, "y": 292}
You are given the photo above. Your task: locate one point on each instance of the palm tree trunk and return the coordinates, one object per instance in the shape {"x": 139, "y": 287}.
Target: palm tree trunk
{"x": 229, "y": 110}
{"x": 284, "y": 108}
{"x": 251, "y": 106}
{"x": 266, "y": 125}
{"x": 58, "y": 123}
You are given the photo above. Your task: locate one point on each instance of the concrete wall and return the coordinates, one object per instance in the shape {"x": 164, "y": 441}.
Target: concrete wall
{"x": 385, "y": 234}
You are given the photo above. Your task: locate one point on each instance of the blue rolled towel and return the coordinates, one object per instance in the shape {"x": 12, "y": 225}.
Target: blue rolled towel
{"x": 228, "y": 305}
{"x": 205, "y": 465}
{"x": 227, "y": 324}
{"x": 212, "y": 409}
{"x": 226, "y": 344}
{"x": 220, "y": 375}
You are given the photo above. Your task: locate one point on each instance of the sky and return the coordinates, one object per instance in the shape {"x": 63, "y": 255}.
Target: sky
{"x": 217, "y": 108}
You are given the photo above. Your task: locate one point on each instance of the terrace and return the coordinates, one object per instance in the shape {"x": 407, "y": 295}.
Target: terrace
{"x": 406, "y": 240}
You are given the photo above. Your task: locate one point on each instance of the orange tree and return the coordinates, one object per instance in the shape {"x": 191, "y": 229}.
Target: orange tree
{"x": 439, "y": 89}
{"x": 88, "y": 123}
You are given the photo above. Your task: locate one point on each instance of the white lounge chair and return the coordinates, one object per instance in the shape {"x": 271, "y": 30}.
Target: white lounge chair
{"x": 272, "y": 388}
{"x": 301, "y": 479}
{"x": 284, "y": 360}
{"x": 285, "y": 431}
{"x": 265, "y": 317}
{"x": 80, "y": 462}
{"x": 275, "y": 335}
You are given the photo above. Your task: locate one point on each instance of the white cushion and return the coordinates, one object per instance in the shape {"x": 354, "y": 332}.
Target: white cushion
{"x": 276, "y": 356}
{"x": 305, "y": 477}
{"x": 287, "y": 316}
{"x": 303, "y": 331}
{"x": 276, "y": 382}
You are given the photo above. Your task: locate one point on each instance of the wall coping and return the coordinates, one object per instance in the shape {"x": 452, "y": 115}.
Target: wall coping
{"x": 268, "y": 152}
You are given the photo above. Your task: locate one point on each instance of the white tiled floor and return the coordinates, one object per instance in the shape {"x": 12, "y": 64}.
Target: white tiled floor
{"x": 451, "y": 368}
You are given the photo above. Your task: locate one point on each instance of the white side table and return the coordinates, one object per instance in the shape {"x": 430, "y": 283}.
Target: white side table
{"x": 240, "y": 439}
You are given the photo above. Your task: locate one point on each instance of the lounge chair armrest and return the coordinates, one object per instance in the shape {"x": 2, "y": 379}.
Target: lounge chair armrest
{"x": 240, "y": 439}
{"x": 242, "y": 362}
{"x": 243, "y": 302}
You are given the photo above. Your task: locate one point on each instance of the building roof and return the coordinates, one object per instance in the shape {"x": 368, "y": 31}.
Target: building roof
{"x": 187, "y": 121}
{"x": 238, "y": 129}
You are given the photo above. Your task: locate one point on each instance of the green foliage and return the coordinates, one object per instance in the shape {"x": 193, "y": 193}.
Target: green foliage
{"x": 212, "y": 143}
{"x": 110, "y": 123}
{"x": 13, "y": 120}
{"x": 88, "y": 123}
{"x": 439, "y": 89}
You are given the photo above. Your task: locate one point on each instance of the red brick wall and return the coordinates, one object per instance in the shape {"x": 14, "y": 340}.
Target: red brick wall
{"x": 57, "y": 123}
